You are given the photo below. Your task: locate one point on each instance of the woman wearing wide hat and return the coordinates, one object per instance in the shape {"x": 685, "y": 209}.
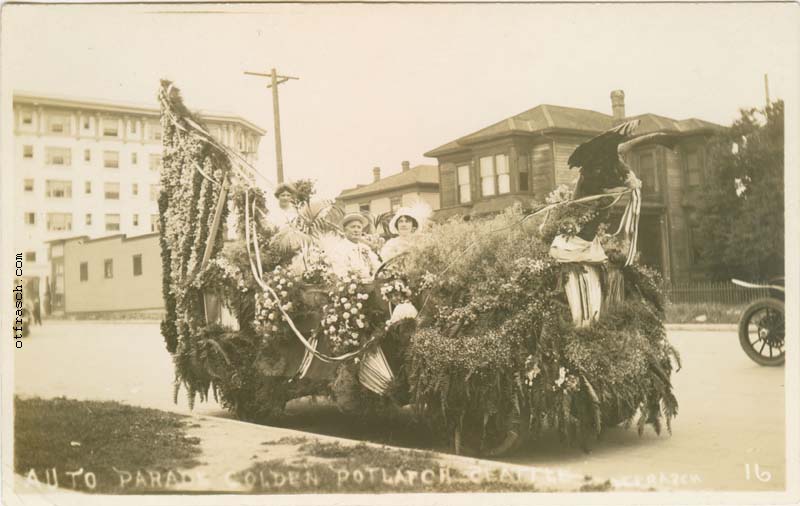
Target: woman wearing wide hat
{"x": 406, "y": 222}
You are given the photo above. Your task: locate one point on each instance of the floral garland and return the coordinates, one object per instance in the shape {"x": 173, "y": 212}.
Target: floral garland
{"x": 269, "y": 321}
{"x": 345, "y": 319}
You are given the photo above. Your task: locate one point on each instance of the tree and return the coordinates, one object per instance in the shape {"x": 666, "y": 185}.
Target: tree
{"x": 741, "y": 214}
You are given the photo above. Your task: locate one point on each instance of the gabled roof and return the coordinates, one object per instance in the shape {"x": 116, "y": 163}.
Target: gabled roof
{"x": 423, "y": 175}
{"x": 547, "y": 117}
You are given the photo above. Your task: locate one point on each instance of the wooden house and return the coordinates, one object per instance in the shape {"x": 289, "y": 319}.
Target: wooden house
{"x": 523, "y": 158}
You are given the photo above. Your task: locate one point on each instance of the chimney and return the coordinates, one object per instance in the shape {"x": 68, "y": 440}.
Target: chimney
{"x": 405, "y": 165}
{"x": 376, "y": 174}
{"x": 618, "y": 106}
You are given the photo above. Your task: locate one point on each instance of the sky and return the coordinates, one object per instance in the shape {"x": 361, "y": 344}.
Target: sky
{"x": 380, "y": 84}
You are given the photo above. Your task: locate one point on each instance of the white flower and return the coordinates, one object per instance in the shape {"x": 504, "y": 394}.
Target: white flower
{"x": 343, "y": 300}
{"x": 332, "y": 329}
{"x": 284, "y": 293}
{"x": 403, "y": 311}
{"x": 347, "y": 305}
{"x": 359, "y": 305}
{"x": 353, "y": 310}
{"x": 360, "y": 324}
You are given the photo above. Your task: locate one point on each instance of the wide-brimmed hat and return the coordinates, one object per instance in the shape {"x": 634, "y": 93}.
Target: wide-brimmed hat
{"x": 355, "y": 217}
{"x": 403, "y": 211}
{"x": 285, "y": 187}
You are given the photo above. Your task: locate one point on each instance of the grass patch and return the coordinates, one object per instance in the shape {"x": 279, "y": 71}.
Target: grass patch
{"x": 287, "y": 440}
{"x": 706, "y": 312}
{"x": 364, "y": 469}
{"x": 54, "y": 437}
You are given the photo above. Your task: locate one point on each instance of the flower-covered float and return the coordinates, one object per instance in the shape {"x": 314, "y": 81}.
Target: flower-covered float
{"x": 493, "y": 330}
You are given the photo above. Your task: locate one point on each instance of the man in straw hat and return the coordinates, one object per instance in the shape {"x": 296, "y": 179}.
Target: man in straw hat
{"x": 352, "y": 254}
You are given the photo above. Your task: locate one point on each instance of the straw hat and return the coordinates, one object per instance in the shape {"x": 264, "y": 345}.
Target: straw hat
{"x": 355, "y": 217}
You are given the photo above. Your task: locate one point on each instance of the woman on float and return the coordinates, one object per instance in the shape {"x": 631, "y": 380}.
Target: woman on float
{"x": 406, "y": 222}
{"x": 283, "y": 215}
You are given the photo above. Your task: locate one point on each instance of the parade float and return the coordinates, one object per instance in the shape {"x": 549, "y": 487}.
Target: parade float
{"x": 495, "y": 331}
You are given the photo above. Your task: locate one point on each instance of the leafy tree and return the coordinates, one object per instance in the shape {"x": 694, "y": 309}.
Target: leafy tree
{"x": 305, "y": 190}
{"x": 741, "y": 215}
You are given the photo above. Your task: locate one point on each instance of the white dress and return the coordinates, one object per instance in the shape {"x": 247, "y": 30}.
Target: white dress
{"x": 395, "y": 246}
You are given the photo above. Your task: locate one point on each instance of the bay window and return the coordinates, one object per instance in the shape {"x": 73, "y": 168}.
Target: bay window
{"x": 495, "y": 175}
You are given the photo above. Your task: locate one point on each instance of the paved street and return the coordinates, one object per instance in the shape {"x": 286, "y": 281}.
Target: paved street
{"x": 731, "y": 410}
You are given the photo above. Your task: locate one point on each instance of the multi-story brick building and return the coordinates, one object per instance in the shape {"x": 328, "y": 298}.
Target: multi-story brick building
{"x": 91, "y": 168}
{"x": 524, "y": 157}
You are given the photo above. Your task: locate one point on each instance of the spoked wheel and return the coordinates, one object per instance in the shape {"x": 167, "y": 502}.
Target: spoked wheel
{"x": 762, "y": 332}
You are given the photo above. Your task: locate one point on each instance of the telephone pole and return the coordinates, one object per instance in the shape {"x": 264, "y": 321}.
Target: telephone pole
{"x": 766, "y": 88}
{"x": 275, "y": 80}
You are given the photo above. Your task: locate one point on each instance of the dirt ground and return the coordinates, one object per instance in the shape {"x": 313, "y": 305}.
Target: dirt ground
{"x": 729, "y": 434}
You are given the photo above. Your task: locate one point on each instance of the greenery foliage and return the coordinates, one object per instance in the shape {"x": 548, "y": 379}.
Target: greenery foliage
{"x": 499, "y": 318}
{"x": 741, "y": 214}
{"x": 492, "y": 351}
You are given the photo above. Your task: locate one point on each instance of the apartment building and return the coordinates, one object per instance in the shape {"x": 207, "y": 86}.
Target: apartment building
{"x": 91, "y": 168}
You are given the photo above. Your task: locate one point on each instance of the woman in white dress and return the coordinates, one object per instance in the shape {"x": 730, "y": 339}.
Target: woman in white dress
{"x": 282, "y": 215}
{"x": 406, "y": 222}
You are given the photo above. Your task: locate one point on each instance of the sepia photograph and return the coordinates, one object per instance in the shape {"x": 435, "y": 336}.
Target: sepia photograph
{"x": 376, "y": 253}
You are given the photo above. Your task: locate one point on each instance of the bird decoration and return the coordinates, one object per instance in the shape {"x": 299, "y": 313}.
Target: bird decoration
{"x": 601, "y": 161}
{"x": 601, "y": 158}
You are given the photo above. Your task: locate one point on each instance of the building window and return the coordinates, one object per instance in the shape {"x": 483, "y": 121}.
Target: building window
{"x": 395, "y": 203}
{"x": 154, "y": 191}
{"x": 29, "y": 185}
{"x": 694, "y": 172}
{"x": 112, "y": 222}
{"x": 30, "y": 256}
{"x": 464, "y": 189}
{"x": 134, "y": 158}
{"x": 58, "y": 189}
{"x": 84, "y": 271}
{"x": 155, "y": 162}
{"x": 110, "y": 127}
{"x": 58, "y": 156}
{"x": 111, "y": 159}
{"x": 30, "y": 218}
{"x": 108, "y": 268}
{"x": 135, "y": 220}
{"x": 59, "y": 222}
{"x": 137, "y": 265}
{"x": 364, "y": 208}
{"x": 88, "y": 219}
{"x": 647, "y": 173}
{"x": 27, "y": 117}
{"x": 87, "y": 187}
{"x": 134, "y": 127}
{"x": 87, "y": 123}
{"x": 495, "y": 178}
{"x": 58, "y": 124}
{"x": 155, "y": 132}
{"x": 523, "y": 183}
{"x": 154, "y": 223}
{"x": 111, "y": 191}
{"x": 27, "y": 151}
{"x": 87, "y": 155}
{"x": 135, "y": 189}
